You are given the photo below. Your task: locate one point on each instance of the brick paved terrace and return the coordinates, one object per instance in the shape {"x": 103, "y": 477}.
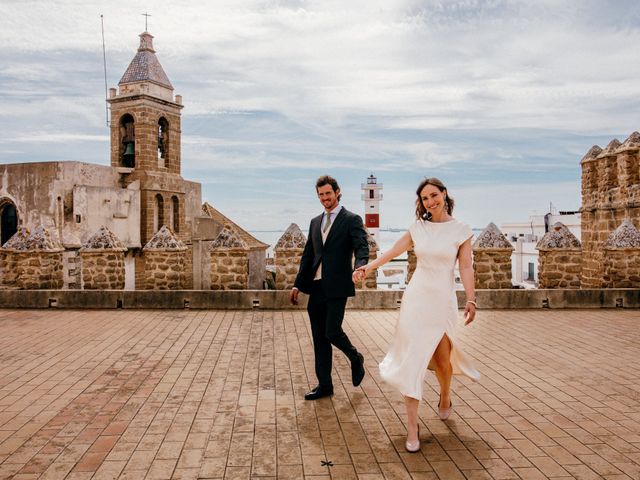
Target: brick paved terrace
{"x": 218, "y": 394}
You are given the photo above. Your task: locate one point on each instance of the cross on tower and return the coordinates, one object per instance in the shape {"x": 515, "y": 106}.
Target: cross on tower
{"x": 146, "y": 17}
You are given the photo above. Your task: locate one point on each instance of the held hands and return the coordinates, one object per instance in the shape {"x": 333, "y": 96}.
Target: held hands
{"x": 469, "y": 312}
{"x": 359, "y": 274}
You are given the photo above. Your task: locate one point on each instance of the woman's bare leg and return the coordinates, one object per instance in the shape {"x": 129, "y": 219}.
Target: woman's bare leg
{"x": 444, "y": 370}
{"x": 412, "y": 418}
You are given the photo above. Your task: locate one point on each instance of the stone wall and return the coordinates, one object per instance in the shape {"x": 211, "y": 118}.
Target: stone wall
{"x": 622, "y": 257}
{"x": 492, "y": 259}
{"x": 610, "y": 193}
{"x": 560, "y": 259}
{"x": 288, "y": 252}
{"x": 164, "y": 261}
{"x": 39, "y": 270}
{"x": 103, "y": 270}
{"x": 8, "y": 259}
{"x": 229, "y": 261}
{"x": 103, "y": 261}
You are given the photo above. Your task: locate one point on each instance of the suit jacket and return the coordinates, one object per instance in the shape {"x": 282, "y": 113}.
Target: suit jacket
{"x": 346, "y": 237}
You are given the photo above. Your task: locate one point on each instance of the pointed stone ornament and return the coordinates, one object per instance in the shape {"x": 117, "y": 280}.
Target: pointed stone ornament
{"x": 611, "y": 148}
{"x": 291, "y": 238}
{"x": 373, "y": 245}
{"x": 164, "y": 239}
{"x": 229, "y": 238}
{"x": 625, "y": 236}
{"x": 42, "y": 239}
{"x": 591, "y": 154}
{"x": 558, "y": 237}
{"x": 631, "y": 143}
{"x": 492, "y": 238}
{"x": 103, "y": 239}
{"x": 145, "y": 66}
{"x": 18, "y": 240}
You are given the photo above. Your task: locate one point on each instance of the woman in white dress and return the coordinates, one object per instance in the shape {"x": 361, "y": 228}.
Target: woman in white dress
{"x": 425, "y": 335}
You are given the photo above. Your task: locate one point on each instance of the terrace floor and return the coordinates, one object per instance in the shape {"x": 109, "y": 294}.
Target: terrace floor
{"x": 162, "y": 394}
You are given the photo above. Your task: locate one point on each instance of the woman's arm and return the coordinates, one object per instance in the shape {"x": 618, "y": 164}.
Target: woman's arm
{"x": 465, "y": 265}
{"x": 402, "y": 245}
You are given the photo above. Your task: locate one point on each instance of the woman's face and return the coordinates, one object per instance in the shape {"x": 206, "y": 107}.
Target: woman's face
{"x": 433, "y": 199}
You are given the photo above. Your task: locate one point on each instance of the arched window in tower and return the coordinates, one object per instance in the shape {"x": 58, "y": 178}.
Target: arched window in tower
{"x": 158, "y": 213}
{"x": 163, "y": 142}
{"x": 175, "y": 214}
{"x": 127, "y": 141}
{"x": 9, "y": 220}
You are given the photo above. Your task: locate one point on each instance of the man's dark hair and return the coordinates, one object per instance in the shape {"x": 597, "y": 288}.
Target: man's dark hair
{"x": 328, "y": 180}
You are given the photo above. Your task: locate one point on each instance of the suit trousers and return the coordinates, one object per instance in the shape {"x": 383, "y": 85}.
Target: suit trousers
{"x": 326, "y": 315}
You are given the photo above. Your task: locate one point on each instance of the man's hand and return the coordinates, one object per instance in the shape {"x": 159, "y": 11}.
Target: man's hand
{"x": 359, "y": 274}
{"x": 293, "y": 296}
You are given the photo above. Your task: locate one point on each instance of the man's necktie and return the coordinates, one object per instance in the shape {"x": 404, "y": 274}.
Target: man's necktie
{"x": 327, "y": 224}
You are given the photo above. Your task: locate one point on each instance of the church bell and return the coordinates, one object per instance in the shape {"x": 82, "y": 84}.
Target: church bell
{"x": 129, "y": 155}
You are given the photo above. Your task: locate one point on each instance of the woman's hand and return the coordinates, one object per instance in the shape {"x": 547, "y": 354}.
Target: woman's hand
{"x": 469, "y": 312}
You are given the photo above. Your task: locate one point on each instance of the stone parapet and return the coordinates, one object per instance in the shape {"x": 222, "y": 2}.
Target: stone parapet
{"x": 622, "y": 257}
{"x": 164, "y": 261}
{"x": 560, "y": 259}
{"x": 103, "y": 261}
{"x": 371, "y": 282}
{"x": 38, "y": 260}
{"x": 492, "y": 259}
{"x": 229, "y": 261}
{"x": 8, "y": 260}
{"x": 288, "y": 252}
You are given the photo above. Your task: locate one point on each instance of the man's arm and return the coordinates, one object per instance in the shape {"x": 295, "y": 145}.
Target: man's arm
{"x": 306, "y": 262}
{"x": 359, "y": 241}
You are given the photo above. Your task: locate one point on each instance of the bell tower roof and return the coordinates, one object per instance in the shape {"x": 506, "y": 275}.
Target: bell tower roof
{"x": 145, "y": 66}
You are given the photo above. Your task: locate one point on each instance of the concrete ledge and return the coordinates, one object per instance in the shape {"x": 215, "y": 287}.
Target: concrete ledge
{"x": 279, "y": 299}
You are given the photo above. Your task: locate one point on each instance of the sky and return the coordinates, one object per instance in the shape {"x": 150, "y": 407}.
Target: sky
{"x": 498, "y": 99}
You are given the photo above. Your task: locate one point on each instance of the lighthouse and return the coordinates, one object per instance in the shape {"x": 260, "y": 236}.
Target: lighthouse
{"x": 371, "y": 194}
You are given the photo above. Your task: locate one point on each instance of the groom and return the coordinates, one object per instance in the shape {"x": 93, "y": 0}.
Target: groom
{"x": 325, "y": 274}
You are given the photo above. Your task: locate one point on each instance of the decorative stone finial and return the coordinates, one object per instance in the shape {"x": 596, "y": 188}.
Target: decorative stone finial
{"x": 558, "y": 237}
{"x": 42, "y": 239}
{"x": 291, "y": 238}
{"x": 103, "y": 239}
{"x": 591, "y": 154}
{"x": 164, "y": 239}
{"x": 610, "y": 148}
{"x": 632, "y": 142}
{"x": 373, "y": 245}
{"x": 492, "y": 238}
{"x": 229, "y": 238}
{"x": 625, "y": 236}
{"x": 18, "y": 240}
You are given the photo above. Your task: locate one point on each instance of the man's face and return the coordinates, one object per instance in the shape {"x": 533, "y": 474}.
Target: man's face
{"x": 328, "y": 198}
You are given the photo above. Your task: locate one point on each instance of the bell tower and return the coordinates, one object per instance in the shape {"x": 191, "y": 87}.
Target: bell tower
{"x": 145, "y": 140}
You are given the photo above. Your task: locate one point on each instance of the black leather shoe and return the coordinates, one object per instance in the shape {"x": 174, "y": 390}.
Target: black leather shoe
{"x": 318, "y": 392}
{"x": 357, "y": 370}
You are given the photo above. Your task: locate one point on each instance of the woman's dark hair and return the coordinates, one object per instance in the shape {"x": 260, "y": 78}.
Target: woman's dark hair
{"x": 421, "y": 212}
{"x": 328, "y": 180}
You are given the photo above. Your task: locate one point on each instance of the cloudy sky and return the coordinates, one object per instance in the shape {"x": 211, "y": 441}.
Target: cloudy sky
{"x": 500, "y": 99}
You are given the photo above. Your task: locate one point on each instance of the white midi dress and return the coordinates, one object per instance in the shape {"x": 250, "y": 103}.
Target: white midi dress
{"x": 429, "y": 309}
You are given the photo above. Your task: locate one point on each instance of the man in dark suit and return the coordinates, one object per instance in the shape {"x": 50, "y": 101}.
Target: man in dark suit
{"x": 325, "y": 274}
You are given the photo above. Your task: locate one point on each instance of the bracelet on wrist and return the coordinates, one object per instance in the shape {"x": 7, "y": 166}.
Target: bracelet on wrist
{"x": 472, "y": 303}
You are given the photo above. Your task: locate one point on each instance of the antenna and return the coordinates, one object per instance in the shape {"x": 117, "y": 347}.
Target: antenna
{"x": 104, "y": 62}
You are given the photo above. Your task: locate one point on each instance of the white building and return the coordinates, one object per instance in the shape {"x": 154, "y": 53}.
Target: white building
{"x": 524, "y": 238}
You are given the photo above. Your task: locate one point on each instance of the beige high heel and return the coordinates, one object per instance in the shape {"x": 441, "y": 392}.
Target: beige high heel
{"x": 413, "y": 447}
{"x": 444, "y": 413}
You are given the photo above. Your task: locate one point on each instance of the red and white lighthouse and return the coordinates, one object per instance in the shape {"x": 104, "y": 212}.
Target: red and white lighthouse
{"x": 372, "y": 195}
